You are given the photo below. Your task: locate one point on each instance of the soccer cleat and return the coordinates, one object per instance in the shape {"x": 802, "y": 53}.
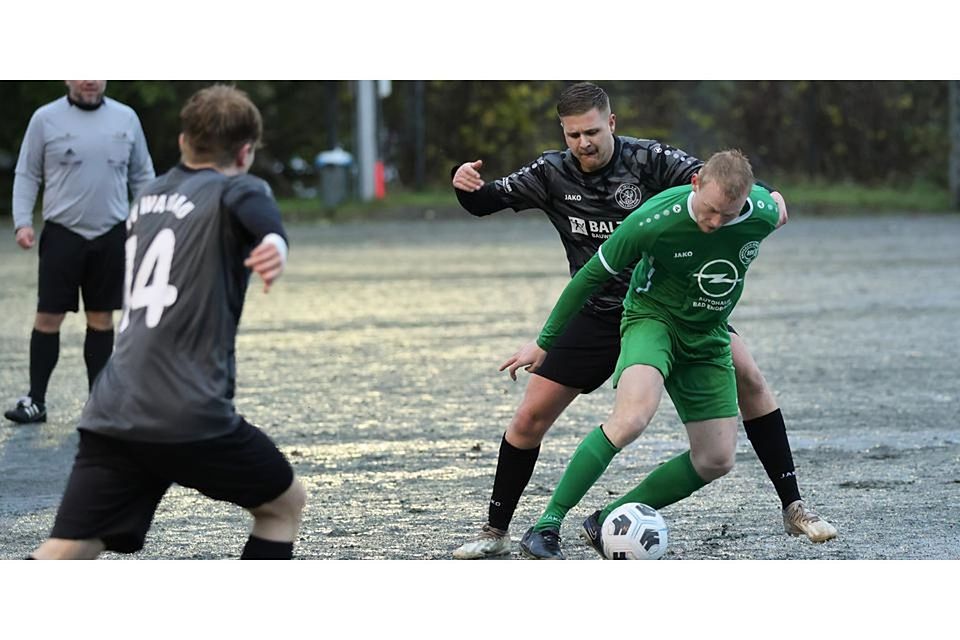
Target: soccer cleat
{"x": 798, "y": 520}
{"x": 490, "y": 543}
{"x": 541, "y": 545}
{"x": 26, "y": 411}
{"x": 592, "y": 533}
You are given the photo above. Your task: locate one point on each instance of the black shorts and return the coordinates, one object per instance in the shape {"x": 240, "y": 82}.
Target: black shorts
{"x": 116, "y": 485}
{"x": 69, "y": 262}
{"x": 585, "y": 354}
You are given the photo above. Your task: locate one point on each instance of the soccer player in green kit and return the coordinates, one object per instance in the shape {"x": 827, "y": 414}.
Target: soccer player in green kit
{"x": 586, "y": 191}
{"x": 694, "y": 243}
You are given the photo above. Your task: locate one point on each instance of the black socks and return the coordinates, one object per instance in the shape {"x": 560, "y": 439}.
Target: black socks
{"x": 514, "y": 468}
{"x": 768, "y": 435}
{"x": 260, "y": 549}
{"x": 97, "y": 348}
{"x": 44, "y": 352}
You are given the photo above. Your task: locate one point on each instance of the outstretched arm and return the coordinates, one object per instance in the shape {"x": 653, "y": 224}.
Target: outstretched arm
{"x": 268, "y": 259}
{"x": 477, "y": 197}
{"x": 253, "y": 209}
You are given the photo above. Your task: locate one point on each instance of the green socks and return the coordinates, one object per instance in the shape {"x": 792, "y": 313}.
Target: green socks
{"x": 588, "y": 463}
{"x": 672, "y": 481}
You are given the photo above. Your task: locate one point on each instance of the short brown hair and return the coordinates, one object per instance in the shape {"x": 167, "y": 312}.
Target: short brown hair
{"x": 217, "y": 121}
{"x": 731, "y": 170}
{"x": 581, "y": 97}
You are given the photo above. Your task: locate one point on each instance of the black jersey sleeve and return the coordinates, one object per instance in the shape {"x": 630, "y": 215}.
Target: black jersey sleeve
{"x": 482, "y": 202}
{"x": 666, "y": 166}
{"x": 251, "y": 205}
{"x": 525, "y": 188}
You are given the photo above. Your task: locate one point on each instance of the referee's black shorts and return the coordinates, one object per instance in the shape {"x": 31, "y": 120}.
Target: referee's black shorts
{"x": 116, "y": 485}
{"x": 585, "y": 355}
{"x": 69, "y": 264}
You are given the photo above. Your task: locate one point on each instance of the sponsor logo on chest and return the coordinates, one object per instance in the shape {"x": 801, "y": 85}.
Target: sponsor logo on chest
{"x": 716, "y": 280}
{"x": 593, "y": 228}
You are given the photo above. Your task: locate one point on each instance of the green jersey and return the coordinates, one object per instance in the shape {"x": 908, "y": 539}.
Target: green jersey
{"x": 685, "y": 275}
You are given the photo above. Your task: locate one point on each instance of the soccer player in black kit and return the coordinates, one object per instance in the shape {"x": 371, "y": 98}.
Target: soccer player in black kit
{"x": 162, "y": 412}
{"x": 586, "y": 191}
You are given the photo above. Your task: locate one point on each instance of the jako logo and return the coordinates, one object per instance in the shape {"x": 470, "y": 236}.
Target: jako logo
{"x": 573, "y": 196}
{"x": 683, "y": 254}
{"x": 578, "y": 225}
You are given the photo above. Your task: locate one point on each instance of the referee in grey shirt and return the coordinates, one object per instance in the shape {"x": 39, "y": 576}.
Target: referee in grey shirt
{"x": 87, "y": 150}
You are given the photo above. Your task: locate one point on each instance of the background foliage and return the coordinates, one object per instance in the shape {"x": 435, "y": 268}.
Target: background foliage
{"x": 871, "y": 133}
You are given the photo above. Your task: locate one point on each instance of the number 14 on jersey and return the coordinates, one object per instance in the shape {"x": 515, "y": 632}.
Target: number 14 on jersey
{"x": 150, "y": 288}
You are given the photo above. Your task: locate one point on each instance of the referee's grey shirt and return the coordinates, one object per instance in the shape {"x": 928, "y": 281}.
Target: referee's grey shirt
{"x": 85, "y": 159}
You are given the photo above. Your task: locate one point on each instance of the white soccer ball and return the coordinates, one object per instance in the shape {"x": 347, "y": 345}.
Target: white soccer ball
{"x": 634, "y": 531}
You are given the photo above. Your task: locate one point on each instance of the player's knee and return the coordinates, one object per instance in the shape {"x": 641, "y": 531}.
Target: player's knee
{"x": 297, "y": 498}
{"x": 61, "y": 549}
{"x": 711, "y": 465}
{"x": 750, "y": 382}
{"x": 623, "y": 428}
{"x": 288, "y": 506}
{"x": 48, "y": 322}
{"x": 530, "y": 425}
{"x": 100, "y": 320}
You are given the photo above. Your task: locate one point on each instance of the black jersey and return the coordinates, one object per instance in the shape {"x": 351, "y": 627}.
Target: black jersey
{"x": 171, "y": 377}
{"x": 585, "y": 208}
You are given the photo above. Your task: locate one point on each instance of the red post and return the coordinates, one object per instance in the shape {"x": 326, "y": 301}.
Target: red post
{"x": 379, "y": 180}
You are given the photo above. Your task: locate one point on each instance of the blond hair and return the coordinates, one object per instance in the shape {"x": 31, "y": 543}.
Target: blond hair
{"x": 731, "y": 170}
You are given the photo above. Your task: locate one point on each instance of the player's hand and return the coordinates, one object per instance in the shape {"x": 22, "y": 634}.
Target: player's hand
{"x": 267, "y": 262}
{"x": 782, "y": 206}
{"x": 467, "y": 177}
{"x": 530, "y": 356}
{"x": 25, "y": 237}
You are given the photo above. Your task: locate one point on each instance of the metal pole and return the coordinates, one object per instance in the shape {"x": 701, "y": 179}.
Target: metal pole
{"x": 954, "y": 178}
{"x": 366, "y": 137}
{"x": 419, "y": 136}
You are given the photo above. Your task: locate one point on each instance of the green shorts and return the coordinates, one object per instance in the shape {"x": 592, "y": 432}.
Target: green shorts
{"x": 697, "y": 367}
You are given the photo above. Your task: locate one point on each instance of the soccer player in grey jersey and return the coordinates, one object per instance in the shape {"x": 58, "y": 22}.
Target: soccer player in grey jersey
{"x": 162, "y": 410}
{"x": 586, "y": 191}
{"x": 88, "y": 151}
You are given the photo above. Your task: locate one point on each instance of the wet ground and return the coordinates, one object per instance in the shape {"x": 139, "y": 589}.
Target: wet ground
{"x": 373, "y": 365}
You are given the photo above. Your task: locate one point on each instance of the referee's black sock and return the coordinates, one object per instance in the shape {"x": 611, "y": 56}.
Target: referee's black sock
{"x": 97, "y": 348}
{"x": 260, "y": 549}
{"x": 44, "y": 353}
{"x": 514, "y": 468}
{"x": 768, "y": 435}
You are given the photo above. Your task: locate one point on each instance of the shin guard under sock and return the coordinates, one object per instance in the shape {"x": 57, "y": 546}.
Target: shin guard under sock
{"x": 514, "y": 468}
{"x": 44, "y": 353}
{"x": 586, "y": 466}
{"x": 768, "y": 435}
{"x": 97, "y": 347}
{"x": 672, "y": 481}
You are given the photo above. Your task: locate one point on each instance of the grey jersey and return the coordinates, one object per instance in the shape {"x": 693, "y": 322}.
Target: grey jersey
{"x": 86, "y": 160}
{"x": 171, "y": 377}
{"x": 585, "y": 208}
